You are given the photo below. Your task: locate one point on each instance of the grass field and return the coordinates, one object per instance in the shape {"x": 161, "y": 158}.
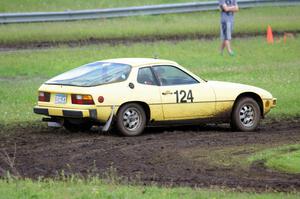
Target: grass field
{"x": 61, "y": 5}
{"x": 250, "y": 21}
{"x": 94, "y": 188}
{"x": 273, "y": 67}
{"x": 283, "y": 159}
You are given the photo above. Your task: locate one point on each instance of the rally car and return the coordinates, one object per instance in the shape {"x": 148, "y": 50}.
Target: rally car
{"x": 131, "y": 93}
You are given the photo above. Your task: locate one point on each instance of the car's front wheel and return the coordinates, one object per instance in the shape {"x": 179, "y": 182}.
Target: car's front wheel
{"x": 131, "y": 119}
{"x": 246, "y": 115}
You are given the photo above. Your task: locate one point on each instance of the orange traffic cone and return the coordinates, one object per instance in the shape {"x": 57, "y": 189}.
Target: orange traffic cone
{"x": 270, "y": 38}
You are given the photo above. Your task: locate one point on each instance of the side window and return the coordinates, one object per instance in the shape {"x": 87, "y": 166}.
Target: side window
{"x": 170, "y": 75}
{"x": 145, "y": 76}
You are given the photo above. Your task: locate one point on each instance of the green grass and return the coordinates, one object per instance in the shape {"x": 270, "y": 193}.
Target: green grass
{"x": 272, "y": 67}
{"x": 18, "y": 96}
{"x": 94, "y": 188}
{"x": 248, "y": 21}
{"x": 284, "y": 158}
{"x": 62, "y": 5}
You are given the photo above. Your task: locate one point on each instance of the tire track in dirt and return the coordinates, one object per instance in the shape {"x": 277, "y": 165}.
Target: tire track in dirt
{"x": 125, "y": 41}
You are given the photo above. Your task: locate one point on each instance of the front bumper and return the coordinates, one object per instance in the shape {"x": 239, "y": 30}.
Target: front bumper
{"x": 70, "y": 113}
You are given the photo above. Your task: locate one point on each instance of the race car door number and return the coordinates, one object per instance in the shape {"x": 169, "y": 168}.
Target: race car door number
{"x": 183, "y": 97}
{"x": 60, "y": 99}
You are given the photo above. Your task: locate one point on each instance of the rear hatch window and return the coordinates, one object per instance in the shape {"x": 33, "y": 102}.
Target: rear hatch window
{"x": 93, "y": 74}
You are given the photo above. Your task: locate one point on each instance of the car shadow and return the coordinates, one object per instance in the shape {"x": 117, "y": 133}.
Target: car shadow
{"x": 188, "y": 128}
{"x": 150, "y": 130}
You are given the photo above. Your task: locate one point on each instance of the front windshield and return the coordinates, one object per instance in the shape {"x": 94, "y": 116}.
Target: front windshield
{"x": 93, "y": 74}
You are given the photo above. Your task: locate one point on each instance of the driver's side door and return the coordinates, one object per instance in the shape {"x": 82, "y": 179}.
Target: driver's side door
{"x": 182, "y": 96}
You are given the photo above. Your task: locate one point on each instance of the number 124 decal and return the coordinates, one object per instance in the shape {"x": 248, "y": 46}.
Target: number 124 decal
{"x": 183, "y": 97}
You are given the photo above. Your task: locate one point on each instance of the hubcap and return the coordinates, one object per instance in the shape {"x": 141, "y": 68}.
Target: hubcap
{"x": 247, "y": 115}
{"x": 131, "y": 119}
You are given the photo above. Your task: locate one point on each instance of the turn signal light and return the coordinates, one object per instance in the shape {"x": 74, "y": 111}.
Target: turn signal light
{"x": 44, "y": 96}
{"x": 82, "y": 99}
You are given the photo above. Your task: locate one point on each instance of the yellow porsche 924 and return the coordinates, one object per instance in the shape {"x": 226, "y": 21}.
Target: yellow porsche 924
{"x": 131, "y": 93}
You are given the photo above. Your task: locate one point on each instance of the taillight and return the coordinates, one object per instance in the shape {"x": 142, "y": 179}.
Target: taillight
{"x": 44, "y": 96}
{"x": 82, "y": 99}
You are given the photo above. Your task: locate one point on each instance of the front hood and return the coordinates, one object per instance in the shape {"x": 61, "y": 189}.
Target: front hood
{"x": 230, "y": 91}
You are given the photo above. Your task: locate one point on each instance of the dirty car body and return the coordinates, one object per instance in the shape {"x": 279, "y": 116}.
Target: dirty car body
{"x": 136, "y": 92}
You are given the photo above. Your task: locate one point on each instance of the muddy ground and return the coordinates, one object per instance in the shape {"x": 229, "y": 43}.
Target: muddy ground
{"x": 184, "y": 156}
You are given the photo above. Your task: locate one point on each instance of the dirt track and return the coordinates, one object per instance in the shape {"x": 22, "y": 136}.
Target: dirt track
{"x": 192, "y": 156}
{"x": 125, "y": 41}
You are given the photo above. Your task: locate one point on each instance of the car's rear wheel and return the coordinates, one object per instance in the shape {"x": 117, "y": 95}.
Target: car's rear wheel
{"x": 131, "y": 119}
{"x": 246, "y": 115}
{"x": 74, "y": 125}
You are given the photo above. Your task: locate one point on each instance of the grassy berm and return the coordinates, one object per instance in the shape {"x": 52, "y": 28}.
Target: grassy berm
{"x": 191, "y": 25}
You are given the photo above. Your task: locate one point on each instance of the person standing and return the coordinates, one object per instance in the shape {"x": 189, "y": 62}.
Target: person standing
{"x": 228, "y": 8}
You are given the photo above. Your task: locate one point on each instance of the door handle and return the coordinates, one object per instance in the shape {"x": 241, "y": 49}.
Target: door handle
{"x": 167, "y": 93}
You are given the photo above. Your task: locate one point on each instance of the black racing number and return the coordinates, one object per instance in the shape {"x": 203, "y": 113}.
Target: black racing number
{"x": 190, "y": 96}
{"x": 182, "y": 97}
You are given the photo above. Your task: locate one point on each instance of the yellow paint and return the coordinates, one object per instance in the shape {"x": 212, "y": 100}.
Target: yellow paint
{"x": 269, "y": 104}
{"x": 103, "y": 113}
{"x": 224, "y": 108}
{"x": 203, "y": 104}
{"x": 55, "y": 111}
{"x": 156, "y": 112}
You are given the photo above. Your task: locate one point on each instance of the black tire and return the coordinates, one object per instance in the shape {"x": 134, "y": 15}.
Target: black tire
{"x": 246, "y": 115}
{"x": 74, "y": 125}
{"x": 131, "y": 119}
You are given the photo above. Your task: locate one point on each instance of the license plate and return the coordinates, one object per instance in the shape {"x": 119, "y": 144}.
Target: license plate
{"x": 60, "y": 99}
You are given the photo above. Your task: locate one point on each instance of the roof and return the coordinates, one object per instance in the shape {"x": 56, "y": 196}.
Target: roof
{"x": 135, "y": 62}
